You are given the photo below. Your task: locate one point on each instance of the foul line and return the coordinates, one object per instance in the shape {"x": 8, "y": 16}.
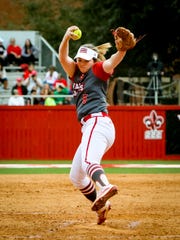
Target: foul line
{"x": 19, "y": 166}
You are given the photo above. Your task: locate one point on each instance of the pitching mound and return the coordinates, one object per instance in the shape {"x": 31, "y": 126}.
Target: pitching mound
{"x": 48, "y": 207}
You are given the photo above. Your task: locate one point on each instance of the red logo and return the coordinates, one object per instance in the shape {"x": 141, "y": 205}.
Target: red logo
{"x": 153, "y": 123}
{"x": 83, "y": 50}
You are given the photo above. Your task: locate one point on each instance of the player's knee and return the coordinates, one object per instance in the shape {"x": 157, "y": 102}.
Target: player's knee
{"x": 73, "y": 179}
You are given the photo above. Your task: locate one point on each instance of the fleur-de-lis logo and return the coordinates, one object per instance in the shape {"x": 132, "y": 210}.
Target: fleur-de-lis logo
{"x": 153, "y": 121}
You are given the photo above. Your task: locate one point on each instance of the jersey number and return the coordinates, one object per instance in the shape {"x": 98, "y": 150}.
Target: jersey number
{"x": 84, "y": 98}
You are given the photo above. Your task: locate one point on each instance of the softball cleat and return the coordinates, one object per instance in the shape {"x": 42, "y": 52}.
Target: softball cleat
{"x": 102, "y": 213}
{"x": 104, "y": 194}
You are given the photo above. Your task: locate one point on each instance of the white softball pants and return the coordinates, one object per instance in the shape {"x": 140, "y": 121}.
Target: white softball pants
{"x": 98, "y": 135}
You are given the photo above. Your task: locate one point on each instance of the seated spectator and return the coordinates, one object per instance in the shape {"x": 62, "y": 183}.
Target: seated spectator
{"x": 60, "y": 80}
{"x": 28, "y": 69}
{"x": 51, "y": 76}
{"x": 22, "y": 90}
{"x": 24, "y": 67}
{"x": 49, "y": 101}
{"x": 3, "y": 53}
{"x": 3, "y": 77}
{"x": 44, "y": 92}
{"x": 13, "y": 53}
{"x": 31, "y": 99}
{"x": 33, "y": 81}
{"x": 16, "y": 99}
{"x": 35, "y": 100}
{"x": 61, "y": 89}
{"x": 29, "y": 52}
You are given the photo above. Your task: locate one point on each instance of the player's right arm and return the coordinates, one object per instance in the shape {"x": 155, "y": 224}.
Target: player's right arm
{"x": 66, "y": 61}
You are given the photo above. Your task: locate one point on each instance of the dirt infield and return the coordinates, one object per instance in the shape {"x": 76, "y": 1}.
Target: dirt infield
{"x": 48, "y": 207}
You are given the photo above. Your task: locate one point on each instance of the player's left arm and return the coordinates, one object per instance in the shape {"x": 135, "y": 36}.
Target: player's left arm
{"x": 124, "y": 40}
{"x": 110, "y": 64}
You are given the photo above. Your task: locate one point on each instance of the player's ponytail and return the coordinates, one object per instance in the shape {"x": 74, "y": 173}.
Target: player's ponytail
{"x": 100, "y": 49}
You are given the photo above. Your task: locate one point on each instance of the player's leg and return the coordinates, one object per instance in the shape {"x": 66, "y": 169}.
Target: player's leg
{"x": 80, "y": 179}
{"x": 98, "y": 137}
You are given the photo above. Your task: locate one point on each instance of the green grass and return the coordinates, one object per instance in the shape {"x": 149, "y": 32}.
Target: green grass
{"x": 107, "y": 170}
{"x": 34, "y": 171}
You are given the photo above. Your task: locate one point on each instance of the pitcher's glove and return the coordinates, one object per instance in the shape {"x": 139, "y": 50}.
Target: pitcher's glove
{"x": 124, "y": 39}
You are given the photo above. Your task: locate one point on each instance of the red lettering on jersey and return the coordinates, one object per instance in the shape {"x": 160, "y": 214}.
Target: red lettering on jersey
{"x": 84, "y": 98}
{"x": 77, "y": 87}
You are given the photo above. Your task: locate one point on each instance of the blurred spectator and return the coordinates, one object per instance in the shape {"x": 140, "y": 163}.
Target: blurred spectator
{"x": 45, "y": 98}
{"x": 51, "y": 76}
{"x": 3, "y": 53}
{"x": 60, "y": 80}
{"x": 33, "y": 100}
{"x": 3, "y": 77}
{"x": 36, "y": 100}
{"x": 44, "y": 92}
{"x": 16, "y": 99}
{"x": 24, "y": 67}
{"x": 61, "y": 89}
{"x": 49, "y": 101}
{"x": 22, "y": 90}
{"x": 33, "y": 81}
{"x": 29, "y": 52}
{"x": 28, "y": 69}
{"x": 155, "y": 69}
{"x": 13, "y": 53}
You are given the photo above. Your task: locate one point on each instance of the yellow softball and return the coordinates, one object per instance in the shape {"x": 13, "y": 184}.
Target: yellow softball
{"x": 77, "y": 34}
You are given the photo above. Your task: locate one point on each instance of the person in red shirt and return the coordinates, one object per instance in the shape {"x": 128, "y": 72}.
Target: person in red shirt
{"x": 13, "y": 53}
{"x": 28, "y": 71}
{"x": 60, "y": 80}
{"x": 22, "y": 90}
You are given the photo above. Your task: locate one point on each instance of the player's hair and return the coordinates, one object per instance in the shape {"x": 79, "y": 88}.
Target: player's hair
{"x": 100, "y": 49}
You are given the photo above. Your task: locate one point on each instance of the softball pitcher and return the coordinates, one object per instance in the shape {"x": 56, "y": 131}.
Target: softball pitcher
{"x": 89, "y": 72}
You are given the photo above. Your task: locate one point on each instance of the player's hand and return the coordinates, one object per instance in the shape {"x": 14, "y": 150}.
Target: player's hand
{"x": 70, "y": 32}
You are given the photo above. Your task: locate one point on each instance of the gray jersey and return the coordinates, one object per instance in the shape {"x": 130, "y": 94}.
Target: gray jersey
{"x": 90, "y": 91}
